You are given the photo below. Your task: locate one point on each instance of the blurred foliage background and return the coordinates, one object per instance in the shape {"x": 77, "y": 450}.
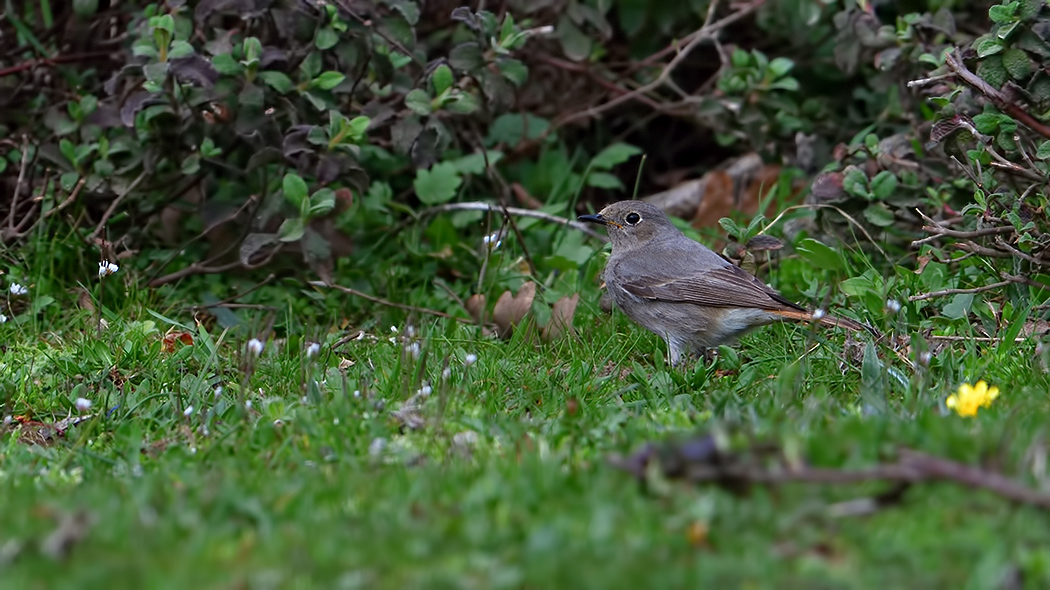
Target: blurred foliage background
{"x": 433, "y": 153}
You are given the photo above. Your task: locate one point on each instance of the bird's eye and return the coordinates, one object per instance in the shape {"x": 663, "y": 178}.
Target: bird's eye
{"x": 632, "y": 218}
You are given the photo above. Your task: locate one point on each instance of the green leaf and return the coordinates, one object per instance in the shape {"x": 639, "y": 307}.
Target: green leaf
{"x": 731, "y": 228}
{"x": 475, "y": 163}
{"x": 180, "y": 49}
{"x": 819, "y": 254}
{"x": 603, "y": 180}
{"x": 326, "y": 38}
{"x": 855, "y": 182}
{"x": 279, "y": 81}
{"x": 511, "y": 128}
{"x": 466, "y": 57}
{"x": 1018, "y": 64}
{"x": 328, "y": 80}
{"x": 883, "y": 185}
{"x": 226, "y": 65}
{"x": 208, "y": 148}
{"x": 988, "y": 46}
{"x": 292, "y": 229}
{"x": 513, "y": 70}
{"x": 437, "y": 185}
{"x": 1003, "y": 13}
{"x": 294, "y": 188}
{"x": 418, "y": 101}
{"x": 575, "y": 44}
{"x": 358, "y": 126}
{"x": 311, "y": 66}
{"x": 252, "y": 51}
{"x": 1043, "y": 151}
{"x": 322, "y": 202}
{"x": 879, "y": 214}
{"x": 959, "y": 306}
{"x": 69, "y": 150}
{"x": 789, "y": 84}
{"x": 991, "y": 70}
{"x": 780, "y": 66}
{"x": 164, "y": 22}
{"x": 192, "y": 164}
{"x": 872, "y": 384}
{"x": 442, "y": 78}
{"x": 987, "y": 123}
{"x": 461, "y": 103}
{"x": 613, "y": 155}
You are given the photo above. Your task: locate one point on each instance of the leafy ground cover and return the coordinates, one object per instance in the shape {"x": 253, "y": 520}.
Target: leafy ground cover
{"x": 422, "y": 454}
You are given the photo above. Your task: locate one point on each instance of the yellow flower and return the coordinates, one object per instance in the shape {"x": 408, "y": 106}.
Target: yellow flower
{"x": 966, "y": 401}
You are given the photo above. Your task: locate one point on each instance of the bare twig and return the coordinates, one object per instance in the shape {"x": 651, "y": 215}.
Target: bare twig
{"x": 943, "y": 292}
{"x": 1000, "y": 100}
{"x": 116, "y": 202}
{"x": 18, "y": 184}
{"x": 691, "y": 42}
{"x": 941, "y": 231}
{"x": 518, "y": 211}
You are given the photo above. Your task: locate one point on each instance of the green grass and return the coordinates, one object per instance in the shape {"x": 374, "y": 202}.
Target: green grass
{"x": 315, "y": 486}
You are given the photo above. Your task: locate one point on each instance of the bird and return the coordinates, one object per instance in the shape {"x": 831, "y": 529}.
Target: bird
{"x": 684, "y": 292}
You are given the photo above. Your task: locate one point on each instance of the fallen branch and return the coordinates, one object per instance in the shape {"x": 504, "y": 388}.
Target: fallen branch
{"x": 701, "y": 461}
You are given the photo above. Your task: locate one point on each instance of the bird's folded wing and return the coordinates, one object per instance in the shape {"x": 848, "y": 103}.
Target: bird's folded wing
{"x": 729, "y": 286}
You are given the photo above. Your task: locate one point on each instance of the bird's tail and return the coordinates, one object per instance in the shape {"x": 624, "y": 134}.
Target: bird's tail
{"x": 828, "y": 320}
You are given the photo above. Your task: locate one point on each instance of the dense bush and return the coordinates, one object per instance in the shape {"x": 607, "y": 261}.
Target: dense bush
{"x": 336, "y": 140}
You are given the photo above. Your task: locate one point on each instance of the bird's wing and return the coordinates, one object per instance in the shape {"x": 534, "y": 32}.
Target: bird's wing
{"x": 726, "y": 286}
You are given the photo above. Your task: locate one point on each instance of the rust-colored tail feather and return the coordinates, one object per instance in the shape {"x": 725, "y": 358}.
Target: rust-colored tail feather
{"x": 827, "y": 320}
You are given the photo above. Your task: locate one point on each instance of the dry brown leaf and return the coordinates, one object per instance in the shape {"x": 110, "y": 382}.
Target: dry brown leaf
{"x": 561, "y": 317}
{"x": 475, "y": 306}
{"x": 510, "y": 309}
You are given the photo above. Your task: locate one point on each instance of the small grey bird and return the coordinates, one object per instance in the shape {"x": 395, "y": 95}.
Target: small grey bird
{"x": 683, "y": 292}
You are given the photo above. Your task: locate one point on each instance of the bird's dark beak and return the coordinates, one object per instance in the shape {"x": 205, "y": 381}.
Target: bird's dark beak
{"x": 597, "y": 218}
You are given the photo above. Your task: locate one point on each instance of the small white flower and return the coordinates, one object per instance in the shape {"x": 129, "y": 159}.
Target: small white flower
{"x": 255, "y": 346}
{"x": 218, "y": 391}
{"x": 426, "y": 390}
{"x": 17, "y": 289}
{"x": 818, "y": 313}
{"x": 472, "y": 358}
{"x": 106, "y": 268}
{"x": 393, "y": 329}
{"x": 83, "y": 404}
{"x": 193, "y": 450}
{"x": 312, "y": 350}
{"x": 410, "y": 331}
{"x": 278, "y": 422}
{"x": 446, "y": 373}
{"x": 357, "y": 393}
{"x": 377, "y": 446}
{"x": 335, "y": 421}
{"x": 188, "y": 411}
{"x": 492, "y": 239}
{"x": 248, "y": 404}
{"x": 3, "y": 319}
{"x": 893, "y": 306}
{"x": 413, "y": 350}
